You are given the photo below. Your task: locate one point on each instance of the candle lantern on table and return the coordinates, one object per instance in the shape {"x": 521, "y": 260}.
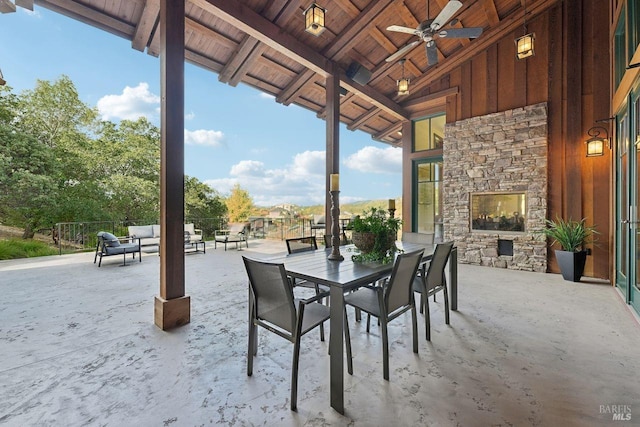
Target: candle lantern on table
{"x": 392, "y": 207}
{"x": 334, "y": 190}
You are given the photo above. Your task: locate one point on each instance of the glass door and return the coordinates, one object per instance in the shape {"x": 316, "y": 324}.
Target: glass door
{"x": 634, "y": 181}
{"x": 427, "y": 182}
{"x": 622, "y": 202}
{"x": 627, "y": 198}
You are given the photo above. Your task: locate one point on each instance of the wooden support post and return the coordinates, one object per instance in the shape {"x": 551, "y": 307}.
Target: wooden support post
{"x": 172, "y": 307}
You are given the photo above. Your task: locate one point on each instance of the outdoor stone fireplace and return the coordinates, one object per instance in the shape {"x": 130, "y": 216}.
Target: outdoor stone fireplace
{"x": 495, "y": 188}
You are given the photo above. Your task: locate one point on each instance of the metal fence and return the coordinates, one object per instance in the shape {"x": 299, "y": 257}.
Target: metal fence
{"x": 82, "y": 236}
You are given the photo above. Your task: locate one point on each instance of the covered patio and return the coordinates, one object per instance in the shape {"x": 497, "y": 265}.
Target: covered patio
{"x": 80, "y": 348}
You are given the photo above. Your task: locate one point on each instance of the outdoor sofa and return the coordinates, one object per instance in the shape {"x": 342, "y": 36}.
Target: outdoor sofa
{"x": 149, "y": 235}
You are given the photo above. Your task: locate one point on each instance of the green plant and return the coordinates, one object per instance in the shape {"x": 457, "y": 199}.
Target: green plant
{"x": 18, "y": 248}
{"x": 385, "y": 230}
{"x": 571, "y": 235}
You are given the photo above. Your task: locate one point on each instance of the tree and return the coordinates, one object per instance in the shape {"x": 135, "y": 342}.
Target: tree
{"x": 53, "y": 110}
{"x": 202, "y": 201}
{"x": 239, "y": 204}
{"x": 27, "y": 189}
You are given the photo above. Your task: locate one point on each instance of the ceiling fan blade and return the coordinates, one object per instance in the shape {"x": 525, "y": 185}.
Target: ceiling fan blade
{"x": 402, "y": 51}
{"x": 432, "y": 53}
{"x": 461, "y": 33}
{"x": 401, "y": 29}
{"x": 445, "y": 14}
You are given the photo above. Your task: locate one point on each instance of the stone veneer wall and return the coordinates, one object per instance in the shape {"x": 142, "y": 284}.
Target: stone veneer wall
{"x": 499, "y": 152}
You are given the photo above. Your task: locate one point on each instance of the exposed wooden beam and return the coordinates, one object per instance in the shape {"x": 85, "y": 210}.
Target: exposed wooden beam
{"x": 148, "y": 21}
{"x": 374, "y": 97}
{"x": 347, "y": 7}
{"x": 386, "y": 133}
{"x": 406, "y": 16}
{"x": 363, "y": 119}
{"x": 26, "y": 4}
{"x": 244, "y": 68}
{"x": 342, "y": 42}
{"x": 239, "y": 56}
{"x": 251, "y": 49}
{"x": 193, "y": 25}
{"x": 246, "y": 20}
{"x": 7, "y": 6}
{"x": 89, "y": 16}
{"x": 288, "y": 94}
{"x": 491, "y": 12}
{"x": 383, "y": 40}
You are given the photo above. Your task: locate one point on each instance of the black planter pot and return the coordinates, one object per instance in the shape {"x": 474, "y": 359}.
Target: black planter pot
{"x": 571, "y": 264}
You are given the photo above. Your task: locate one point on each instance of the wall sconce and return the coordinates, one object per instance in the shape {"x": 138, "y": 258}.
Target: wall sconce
{"x": 595, "y": 144}
{"x": 525, "y": 44}
{"x": 403, "y": 83}
{"x": 314, "y": 19}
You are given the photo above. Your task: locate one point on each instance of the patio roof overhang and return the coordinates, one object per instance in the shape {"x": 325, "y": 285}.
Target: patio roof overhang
{"x": 262, "y": 43}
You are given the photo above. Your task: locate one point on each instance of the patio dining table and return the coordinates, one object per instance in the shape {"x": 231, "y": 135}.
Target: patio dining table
{"x": 342, "y": 276}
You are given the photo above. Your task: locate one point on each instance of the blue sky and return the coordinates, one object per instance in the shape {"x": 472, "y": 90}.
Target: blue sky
{"x": 232, "y": 134}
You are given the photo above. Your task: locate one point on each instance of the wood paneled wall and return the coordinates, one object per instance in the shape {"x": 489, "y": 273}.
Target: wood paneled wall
{"x": 571, "y": 72}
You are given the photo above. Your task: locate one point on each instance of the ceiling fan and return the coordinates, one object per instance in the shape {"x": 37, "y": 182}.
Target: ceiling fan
{"x": 428, "y": 30}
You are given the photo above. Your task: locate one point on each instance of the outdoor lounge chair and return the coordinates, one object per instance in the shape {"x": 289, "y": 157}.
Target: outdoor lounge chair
{"x": 236, "y": 233}
{"x": 108, "y": 245}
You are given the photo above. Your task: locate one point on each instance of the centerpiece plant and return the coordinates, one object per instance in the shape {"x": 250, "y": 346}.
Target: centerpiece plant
{"x": 374, "y": 234}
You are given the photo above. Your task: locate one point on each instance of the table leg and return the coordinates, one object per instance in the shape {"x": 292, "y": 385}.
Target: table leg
{"x": 336, "y": 349}
{"x": 453, "y": 276}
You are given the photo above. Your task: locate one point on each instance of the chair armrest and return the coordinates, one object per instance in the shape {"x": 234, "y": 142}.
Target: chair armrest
{"x": 315, "y": 298}
{"x": 129, "y": 239}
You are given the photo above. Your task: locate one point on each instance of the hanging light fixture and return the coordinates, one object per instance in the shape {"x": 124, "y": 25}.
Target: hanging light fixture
{"x": 403, "y": 83}
{"x": 595, "y": 144}
{"x": 314, "y": 19}
{"x": 525, "y": 44}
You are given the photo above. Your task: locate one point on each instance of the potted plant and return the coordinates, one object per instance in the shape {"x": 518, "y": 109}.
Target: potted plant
{"x": 572, "y": 236}
{"x": 374, "y": 234}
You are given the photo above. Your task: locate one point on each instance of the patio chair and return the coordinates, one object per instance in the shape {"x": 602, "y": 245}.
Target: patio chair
{"x": 387, "y": 303}
{"x": 108, "y": 245}
{"x": 432, "y": 279}
{"x": 272, "y": 306}
{"x": 305, "y": 244}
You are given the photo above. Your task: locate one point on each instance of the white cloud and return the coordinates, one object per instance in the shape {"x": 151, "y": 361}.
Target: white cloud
{"x": 212, "y": 138}
{"x": 134, "y": 102}
{"x": 301, "y": 182}
{"x": 190, "y": 116}
{"x": 266, "y": 95}
{"x": 376, "y": 160}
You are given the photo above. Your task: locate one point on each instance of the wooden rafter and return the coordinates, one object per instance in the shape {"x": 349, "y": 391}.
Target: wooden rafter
{"x": 251, "y": 48}
{"x": 148, "y": 21}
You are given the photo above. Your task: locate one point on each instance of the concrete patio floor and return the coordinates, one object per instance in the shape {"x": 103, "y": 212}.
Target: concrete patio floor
{"x": 79, "y": 348}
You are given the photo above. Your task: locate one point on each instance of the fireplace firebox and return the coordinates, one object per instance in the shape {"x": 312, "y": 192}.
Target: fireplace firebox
{"x": 504, "y": 212}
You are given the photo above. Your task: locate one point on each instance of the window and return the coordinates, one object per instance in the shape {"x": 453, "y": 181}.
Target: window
{"x": 620, "y": 53}
{"x": 427, "y": 192}
{"x": 428, "y": 133}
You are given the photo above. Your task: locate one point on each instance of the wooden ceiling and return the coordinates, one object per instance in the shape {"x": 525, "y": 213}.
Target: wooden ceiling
{"x": 262, "y": 43}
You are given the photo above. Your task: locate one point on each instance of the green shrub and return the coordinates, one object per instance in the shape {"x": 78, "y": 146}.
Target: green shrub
{"x": 571, "y": 235}
{"x": 18, "y": 248}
